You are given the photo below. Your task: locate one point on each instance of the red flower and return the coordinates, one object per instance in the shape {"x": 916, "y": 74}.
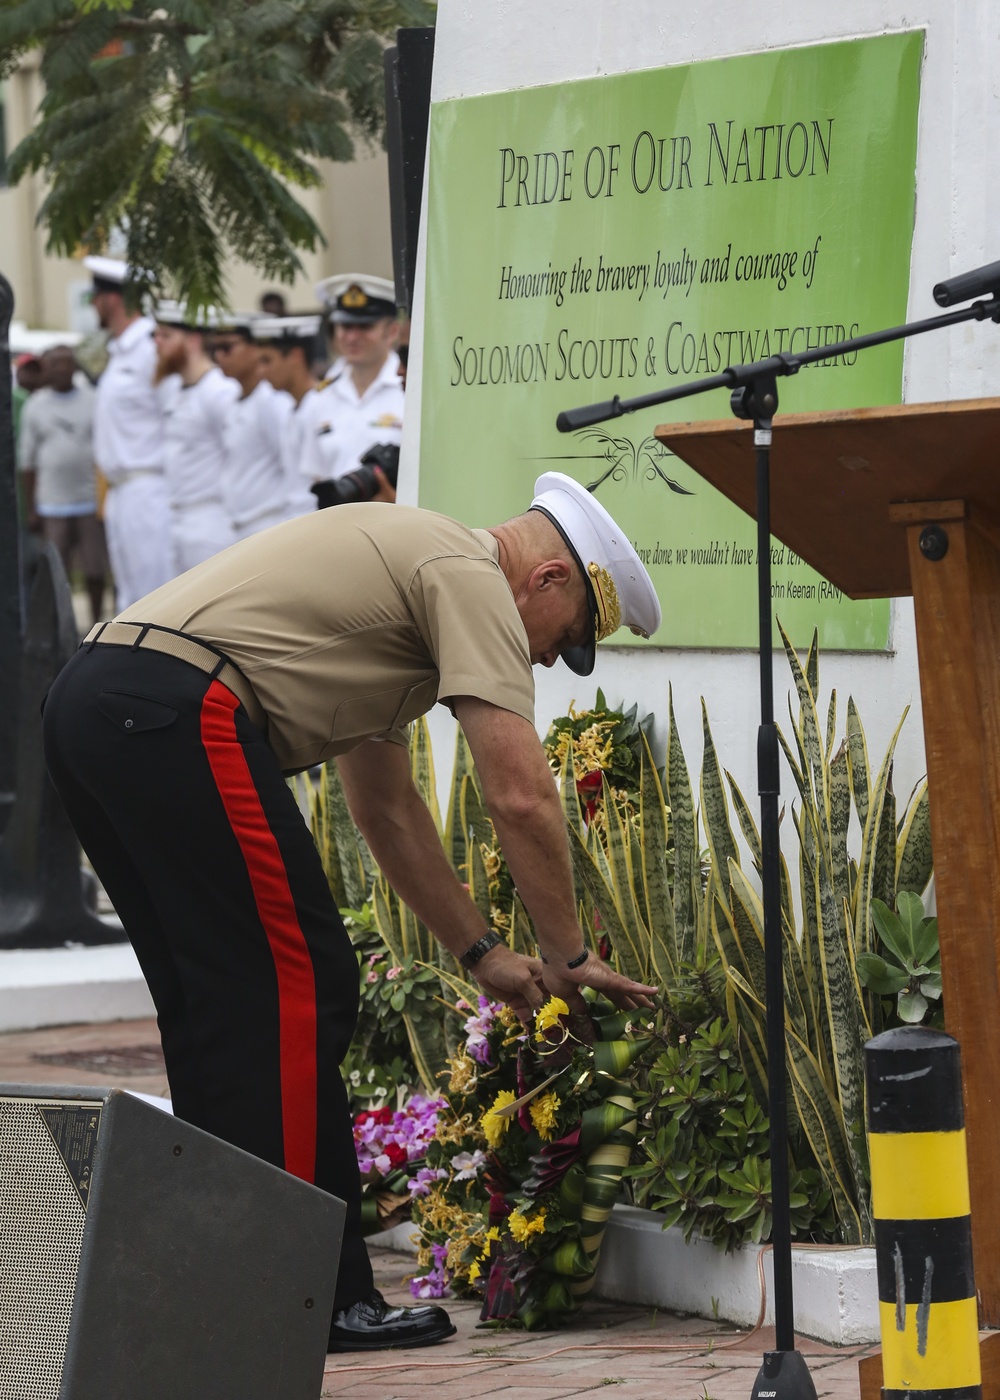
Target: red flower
{"x": 500, "y": 1207}
{"x": 395, "y": 1153}
{"x": 382, "y": 1116}
{"x": 589, "y": 789}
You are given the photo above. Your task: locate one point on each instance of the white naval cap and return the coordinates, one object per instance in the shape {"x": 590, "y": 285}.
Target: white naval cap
{"x": 286, "y": 330}
{"x": 175, "y": 313}
{"x": 621, "y": 591}
{"x": 110, "y": 271}
{"x": 242, "y": 322}
{"x": 355, "y": 299}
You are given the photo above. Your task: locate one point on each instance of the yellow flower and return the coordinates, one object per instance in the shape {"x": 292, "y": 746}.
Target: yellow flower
{"x": 463, "y": 1074}
{"x": 474, "y": 1271}
{"x": 493, "y": 1233}
{"x": 492, "y": 1125}
{"x": 543, "y": 1114}
{"x": 508, "y": 1018}
{"x": 522, "y": 1228}
{"x": 549, "y": 1015}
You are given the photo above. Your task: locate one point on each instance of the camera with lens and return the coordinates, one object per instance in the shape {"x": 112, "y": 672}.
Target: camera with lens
{"x": 363, "y": 483}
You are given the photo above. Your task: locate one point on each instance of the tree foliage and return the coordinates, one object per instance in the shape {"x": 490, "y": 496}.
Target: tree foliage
{"x": 187, "y": 123}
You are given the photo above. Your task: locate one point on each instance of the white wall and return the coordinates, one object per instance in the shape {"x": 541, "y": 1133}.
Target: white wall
{"x": 495, "y": 45}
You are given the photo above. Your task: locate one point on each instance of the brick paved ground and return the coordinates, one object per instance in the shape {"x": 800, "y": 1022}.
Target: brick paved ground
{"x": 615, "y": 1350}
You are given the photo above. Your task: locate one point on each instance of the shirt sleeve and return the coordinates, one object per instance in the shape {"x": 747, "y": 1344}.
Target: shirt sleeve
{"x": 467, "y": 615}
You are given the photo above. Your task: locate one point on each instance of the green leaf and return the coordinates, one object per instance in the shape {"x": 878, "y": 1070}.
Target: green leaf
{"x": 892, "y": 931}
{"x": 684, "y": 823}
{"x": 914, "y": 858}
{"x": 912, "y": 1007}
{"x": 877, "y": 974}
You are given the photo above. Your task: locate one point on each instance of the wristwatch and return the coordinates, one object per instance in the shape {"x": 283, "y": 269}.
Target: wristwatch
{"x": 479, "y": 949}
{"x": 578, "y": 961}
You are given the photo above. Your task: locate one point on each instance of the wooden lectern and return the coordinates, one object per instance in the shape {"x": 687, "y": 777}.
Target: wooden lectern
{"x": 885, "y": 502}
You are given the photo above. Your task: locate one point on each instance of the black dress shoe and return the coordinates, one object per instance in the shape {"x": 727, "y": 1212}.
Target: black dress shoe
{"x": 372, "y": 1324}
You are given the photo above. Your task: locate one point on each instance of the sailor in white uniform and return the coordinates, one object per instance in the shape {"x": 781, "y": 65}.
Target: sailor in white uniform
{"x": 197, "y": 401}
{"x": 362, "y": 404}
{"x": 128, "y": 439}
{"x": 286, "y": 347}
{"x": 254, "y": 485}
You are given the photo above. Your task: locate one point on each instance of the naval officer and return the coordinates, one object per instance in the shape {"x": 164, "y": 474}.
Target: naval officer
{"x": 323, "y": 638}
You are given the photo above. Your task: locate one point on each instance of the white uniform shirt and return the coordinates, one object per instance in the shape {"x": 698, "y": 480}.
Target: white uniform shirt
{"x": 56, "y": 442}
{"x": 300, "y": 499}
{"x": 341, "y": 426}
{"x": 253, "y": 481}
{"x": 128, "y": 422}
{"x": 194, "y": 448}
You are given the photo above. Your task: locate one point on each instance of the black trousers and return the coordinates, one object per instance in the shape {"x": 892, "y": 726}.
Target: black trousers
{"x": 181, "y": 806}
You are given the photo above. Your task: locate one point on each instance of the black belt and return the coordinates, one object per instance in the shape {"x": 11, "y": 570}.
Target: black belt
{"x": 145, "y": 636}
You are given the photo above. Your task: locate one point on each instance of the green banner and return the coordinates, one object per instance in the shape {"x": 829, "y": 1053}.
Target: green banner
{"x": 622, "y": 234}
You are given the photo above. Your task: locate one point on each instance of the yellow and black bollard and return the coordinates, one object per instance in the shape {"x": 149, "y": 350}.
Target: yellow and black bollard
{"x": 920, "y": 1204}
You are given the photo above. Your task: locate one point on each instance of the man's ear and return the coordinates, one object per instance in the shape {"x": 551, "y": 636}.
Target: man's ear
{"x": 552, "y": 573}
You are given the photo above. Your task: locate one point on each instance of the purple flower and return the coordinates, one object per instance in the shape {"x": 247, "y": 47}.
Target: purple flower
{"x": 425, "y": 1178}
{"x": 467, "y": 1164}
{"x": 477, "y": 1028}
{"x": 433, "y": 1284}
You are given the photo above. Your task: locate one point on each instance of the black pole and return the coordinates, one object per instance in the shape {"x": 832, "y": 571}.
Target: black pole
{"x": 769, "y": 786}
{"x": 11, "y": 604}
{"x": 784, "y": 1373}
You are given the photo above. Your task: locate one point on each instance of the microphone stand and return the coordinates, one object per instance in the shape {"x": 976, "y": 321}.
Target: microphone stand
{"x": 754, "y": 395}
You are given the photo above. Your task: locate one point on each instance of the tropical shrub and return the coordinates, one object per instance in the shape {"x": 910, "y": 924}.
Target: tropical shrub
{"x": 665, "y": 890}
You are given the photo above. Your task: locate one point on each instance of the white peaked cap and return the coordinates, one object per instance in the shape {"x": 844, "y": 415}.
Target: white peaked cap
{"x": 621, "y": 591}
{"x": 107, "y": 269}
{"x": 175, "y": 313}
{"x": 357, "y": 297}
{"x": 290, "y": 328}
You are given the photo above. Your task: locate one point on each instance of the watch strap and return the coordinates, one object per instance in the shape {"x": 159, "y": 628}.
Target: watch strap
{"x": 578, "y": 961}
{"x": 479, "y": 949}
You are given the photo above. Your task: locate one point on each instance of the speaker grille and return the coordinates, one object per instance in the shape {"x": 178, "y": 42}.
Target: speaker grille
{"x": 41, "y": 1232}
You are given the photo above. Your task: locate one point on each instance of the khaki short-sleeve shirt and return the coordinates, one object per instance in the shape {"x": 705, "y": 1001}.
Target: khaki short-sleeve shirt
{"x": 350, "y": 623}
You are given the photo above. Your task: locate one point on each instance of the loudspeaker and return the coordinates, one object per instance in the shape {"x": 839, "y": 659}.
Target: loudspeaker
{"x": 143, "y": 1259}
{"x": 407, "y": 72}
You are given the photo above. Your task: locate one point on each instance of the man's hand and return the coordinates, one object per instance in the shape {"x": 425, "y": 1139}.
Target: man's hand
{"x": 513, "y": 978}
{"x": 566, "y": 982}
{"x": 386, "y": 491}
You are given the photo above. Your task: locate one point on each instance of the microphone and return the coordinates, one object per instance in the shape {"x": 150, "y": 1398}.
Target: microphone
{"x": 983, "y": 281}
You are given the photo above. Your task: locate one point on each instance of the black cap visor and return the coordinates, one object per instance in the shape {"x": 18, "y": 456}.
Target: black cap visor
{"x": 105, "y": 284}
{"x": 579, "y": 659}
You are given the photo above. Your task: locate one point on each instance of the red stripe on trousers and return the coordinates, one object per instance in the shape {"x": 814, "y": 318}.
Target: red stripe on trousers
{"x": 292, "y": 963}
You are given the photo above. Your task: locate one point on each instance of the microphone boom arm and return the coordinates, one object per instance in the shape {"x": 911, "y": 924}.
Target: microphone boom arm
{"x": 736, "y": 377}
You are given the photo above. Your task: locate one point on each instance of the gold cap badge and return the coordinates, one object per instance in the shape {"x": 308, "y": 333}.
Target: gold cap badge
{"x": 609, "y": 609}
{"x": 354, "y": 299}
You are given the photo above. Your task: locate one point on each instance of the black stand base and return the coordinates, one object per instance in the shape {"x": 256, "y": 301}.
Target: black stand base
{"x": 783, "y": 1376}
{"x": 43, "y": 900}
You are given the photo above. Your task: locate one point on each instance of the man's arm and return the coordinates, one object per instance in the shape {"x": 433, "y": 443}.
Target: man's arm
{"x": 395, "y": 822}
{"x": 523, "y": 803}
